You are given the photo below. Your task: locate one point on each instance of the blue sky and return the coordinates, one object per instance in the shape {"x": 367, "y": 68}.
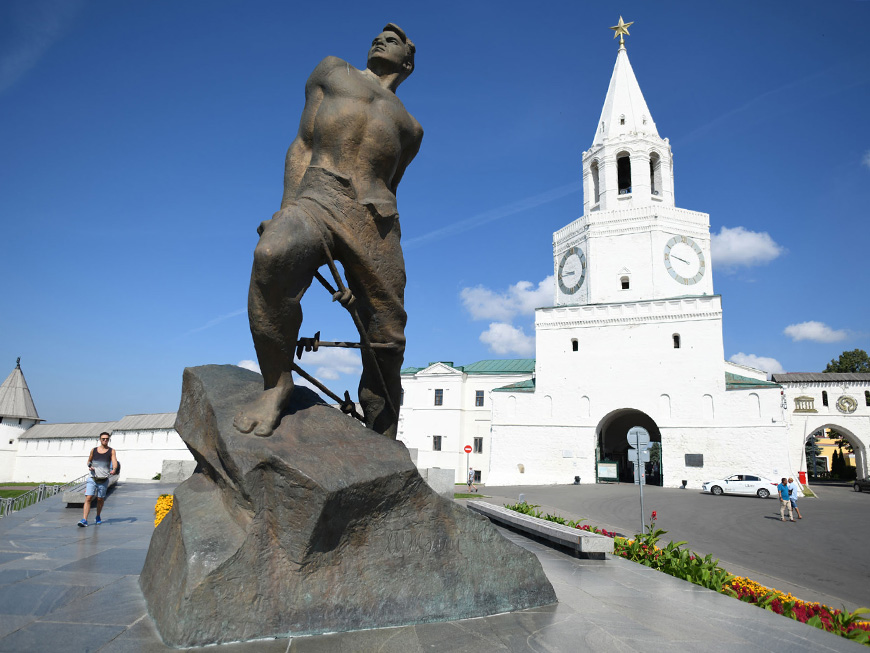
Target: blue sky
{"x": 141, "y": 143}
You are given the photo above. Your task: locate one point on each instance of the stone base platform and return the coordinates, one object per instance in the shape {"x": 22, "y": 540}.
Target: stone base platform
{"x": 324, "y": 526}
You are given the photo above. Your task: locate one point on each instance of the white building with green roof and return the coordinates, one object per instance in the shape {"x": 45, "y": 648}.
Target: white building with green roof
{"x": 447, "y": 407}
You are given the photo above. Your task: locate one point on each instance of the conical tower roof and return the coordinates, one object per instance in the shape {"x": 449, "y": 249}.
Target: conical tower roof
{"x": 15, "y": 399}
{"x": 625, "y": 110}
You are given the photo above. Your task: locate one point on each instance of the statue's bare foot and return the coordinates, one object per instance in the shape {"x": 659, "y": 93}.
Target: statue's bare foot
{"x": 263, "y": 415}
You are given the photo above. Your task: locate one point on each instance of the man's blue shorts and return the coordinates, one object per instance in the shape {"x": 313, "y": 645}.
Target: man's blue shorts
{"x": 98, "y": 489}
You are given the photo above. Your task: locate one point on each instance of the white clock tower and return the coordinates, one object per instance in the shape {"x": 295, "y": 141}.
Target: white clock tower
{"x": 631, "y": 243}
{"x": 634, "y": 336}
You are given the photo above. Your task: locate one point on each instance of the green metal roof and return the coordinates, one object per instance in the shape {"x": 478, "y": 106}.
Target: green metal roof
{"x": 498, "y": 366}
{"x": 490, "y": 366}
{"x": 737, "y": 382}
{"x": 522, "y": 386}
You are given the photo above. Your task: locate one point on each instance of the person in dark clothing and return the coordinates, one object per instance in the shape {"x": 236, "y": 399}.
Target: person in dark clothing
{"x": 102, "y": 463}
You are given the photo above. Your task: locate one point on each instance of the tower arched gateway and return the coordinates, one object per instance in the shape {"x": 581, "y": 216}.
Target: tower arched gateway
{"x": 612, "y": 444}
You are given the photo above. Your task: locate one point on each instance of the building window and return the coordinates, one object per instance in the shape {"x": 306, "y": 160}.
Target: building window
{"x": 867, "y": 397}
{"x": 436, "y": 443}
{"x": 623, "y": 281}
{"x": 622, "y": 120}
{"x": 439, "y": 397}
{"x": 402, "y": 398}
{"x": 477, "y": 476}
{"x": 596, "y": 187}
{"x": 623, "y": 173}
{"x": 478, "y": 445}
{"x": 824, "y": 398}
{"x": 574, "y": 345}
{"x": 478, "y": 397}
{"x": 676, "y": 341}
{"x": 21, "y": 419}
{"x": 655, "y": 174}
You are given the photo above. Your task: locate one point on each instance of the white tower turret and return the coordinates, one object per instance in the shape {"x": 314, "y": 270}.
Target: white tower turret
{"x": 17, "y": 414}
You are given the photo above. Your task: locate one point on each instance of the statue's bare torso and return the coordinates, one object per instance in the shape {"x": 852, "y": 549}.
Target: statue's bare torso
{"x": 353, "y": 126}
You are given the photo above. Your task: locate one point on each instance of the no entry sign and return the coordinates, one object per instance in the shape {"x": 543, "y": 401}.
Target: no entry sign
{"x": 467, "y": 448}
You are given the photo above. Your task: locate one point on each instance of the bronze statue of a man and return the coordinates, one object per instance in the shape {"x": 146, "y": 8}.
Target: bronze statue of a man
{"x": 354, "y": 142}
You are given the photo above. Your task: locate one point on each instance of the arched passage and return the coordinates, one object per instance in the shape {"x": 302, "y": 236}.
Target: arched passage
{"x": 613, "y": 444}
{"x": 823, "y": 457}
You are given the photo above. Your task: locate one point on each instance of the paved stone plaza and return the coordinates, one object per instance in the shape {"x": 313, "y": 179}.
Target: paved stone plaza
{"x": 76, "y": 589}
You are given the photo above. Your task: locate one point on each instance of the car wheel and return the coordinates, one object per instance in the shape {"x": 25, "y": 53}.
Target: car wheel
{"x": 857, "y": 487}
{"x": 763, "y": 494}
{"x": 716, "y": 490}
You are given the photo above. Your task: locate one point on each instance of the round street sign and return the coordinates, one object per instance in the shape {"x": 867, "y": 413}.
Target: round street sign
{"x": 467, "y": 448}
{"x": 638, "y": 437}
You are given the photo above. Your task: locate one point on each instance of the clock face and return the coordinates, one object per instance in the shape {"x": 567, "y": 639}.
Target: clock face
{"x": 684, "y": 260}
{"x": 572, "y": 270}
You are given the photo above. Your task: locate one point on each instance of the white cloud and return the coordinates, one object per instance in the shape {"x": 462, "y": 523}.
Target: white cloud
{"x": 522, "y": 298}
{"x": 324, "y": 364}
{"x": 249, "y": 365}
{"x": 331, "y": 363}
{"x": 502, "y": 338}
{"x": 866, "y": 159}
{"x": 739, "y": 247}
{"x": 769, "y": 365}
{"x": 815, "y": 331}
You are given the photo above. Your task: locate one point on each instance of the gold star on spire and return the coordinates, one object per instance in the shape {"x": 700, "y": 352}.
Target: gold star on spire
{"x": 620, "y": 29}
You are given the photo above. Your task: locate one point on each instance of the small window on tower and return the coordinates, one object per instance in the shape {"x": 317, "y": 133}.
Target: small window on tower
{"x": 596, "y": 185}
{"x": 576, "y": 347}
{"x": 621, "y": 120}
{"x": 623, "y": 173}
{"x": 676, "y": 341}
{"x": 436, "y": 443}
{"x": 867, "y": 397}
{"x": 655, "y": 174}
{"x": 624, "y": 283}
{"x": 824, "y": 398}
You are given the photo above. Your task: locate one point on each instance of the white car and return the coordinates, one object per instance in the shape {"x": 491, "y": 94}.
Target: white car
{"x": 742, "y": 484}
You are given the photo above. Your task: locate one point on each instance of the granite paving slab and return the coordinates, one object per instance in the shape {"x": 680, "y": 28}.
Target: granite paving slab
{"x": 90, "y": 601}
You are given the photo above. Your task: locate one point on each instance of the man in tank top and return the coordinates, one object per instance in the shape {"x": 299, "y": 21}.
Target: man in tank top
{"x": 102, "y": 463}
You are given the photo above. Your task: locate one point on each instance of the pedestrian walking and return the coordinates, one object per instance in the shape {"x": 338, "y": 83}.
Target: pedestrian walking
{"x": 784, "y": 500}
{"x": 471, "y": 480}
{"x": 102, "y": 463}
{"x": 793, "y": 489}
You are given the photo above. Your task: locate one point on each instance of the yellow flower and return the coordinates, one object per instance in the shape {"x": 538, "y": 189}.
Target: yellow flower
{"x": 162, "y": 508}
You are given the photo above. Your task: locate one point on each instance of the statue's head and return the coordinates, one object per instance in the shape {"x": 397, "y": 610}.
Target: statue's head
{"x": 392, "y": 48}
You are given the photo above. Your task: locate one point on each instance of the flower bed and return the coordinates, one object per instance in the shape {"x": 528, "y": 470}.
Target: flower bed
{"x": 705, "y": 571}
{"x": 162, "y": 508}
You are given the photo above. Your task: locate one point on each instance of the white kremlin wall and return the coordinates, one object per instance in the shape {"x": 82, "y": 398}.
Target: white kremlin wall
{"x": 59, "y": 452}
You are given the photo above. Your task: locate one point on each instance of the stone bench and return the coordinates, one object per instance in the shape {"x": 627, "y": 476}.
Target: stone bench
{"x": 75, "y": 496}
{"x": 582, "y": 543}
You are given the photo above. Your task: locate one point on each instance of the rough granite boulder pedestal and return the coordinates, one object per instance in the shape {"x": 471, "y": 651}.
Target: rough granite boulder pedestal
{"x": 324, "y": 526}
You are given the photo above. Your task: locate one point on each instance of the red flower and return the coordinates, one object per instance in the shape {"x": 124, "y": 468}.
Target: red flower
{"x": 654, "y": 515}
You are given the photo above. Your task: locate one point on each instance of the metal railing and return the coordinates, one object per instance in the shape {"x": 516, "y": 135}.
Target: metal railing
{"x": 37, "y": 494}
